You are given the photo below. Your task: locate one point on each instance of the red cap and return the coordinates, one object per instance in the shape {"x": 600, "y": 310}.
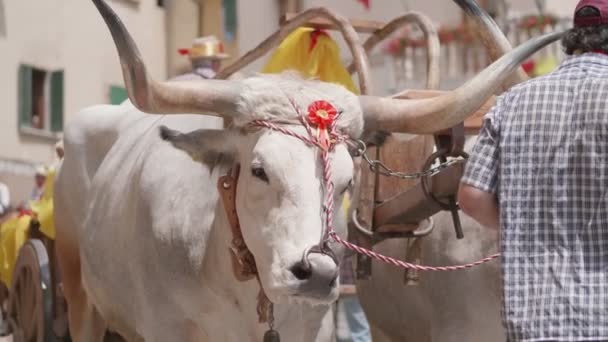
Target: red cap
{"x": 600, "y": 5}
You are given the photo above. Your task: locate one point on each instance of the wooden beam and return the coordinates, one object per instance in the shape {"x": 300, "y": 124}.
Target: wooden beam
{"x": 360, "y": 25}
{"x": 289, "y": 6}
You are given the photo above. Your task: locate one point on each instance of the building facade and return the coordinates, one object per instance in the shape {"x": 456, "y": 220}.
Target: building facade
{"x": 57, "y": 58}
{"x": 244, "y": 24}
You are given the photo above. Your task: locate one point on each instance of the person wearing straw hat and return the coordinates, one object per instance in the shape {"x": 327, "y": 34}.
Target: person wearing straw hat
{"x": 206, "y": 56}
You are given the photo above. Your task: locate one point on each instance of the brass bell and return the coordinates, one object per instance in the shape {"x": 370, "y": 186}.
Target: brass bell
{"x": 272, "y": 336}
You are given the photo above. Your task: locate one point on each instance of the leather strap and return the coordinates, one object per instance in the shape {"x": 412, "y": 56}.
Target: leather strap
{"x": 243, "y": 262}
{"x": 452, "y": 140}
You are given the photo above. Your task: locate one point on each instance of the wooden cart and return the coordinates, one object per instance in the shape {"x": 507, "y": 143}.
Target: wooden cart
{"x": 34, "y": 308}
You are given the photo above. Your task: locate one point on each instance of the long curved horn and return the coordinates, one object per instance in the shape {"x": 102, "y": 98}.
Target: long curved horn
{"x": 348, "y": 32}
{"x": 426, "y": 116}
{"x": 202, "y": 97}
{"x": 432, "y": 39}
{"x": 492, "y": 37}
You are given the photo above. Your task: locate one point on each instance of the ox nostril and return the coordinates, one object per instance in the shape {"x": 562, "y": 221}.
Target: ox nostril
{"x": 333, "y": 282}
{"x": 300, "y": 271}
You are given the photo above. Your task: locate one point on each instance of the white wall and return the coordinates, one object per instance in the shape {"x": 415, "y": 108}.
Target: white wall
{"x": 257, "y": 19}
{"x": 182, "y": 27}
{"x": 557, "y": 7}
{"x": 69, "y": 35}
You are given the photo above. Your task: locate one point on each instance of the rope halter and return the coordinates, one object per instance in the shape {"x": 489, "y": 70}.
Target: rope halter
{"x": 320, "y": 124}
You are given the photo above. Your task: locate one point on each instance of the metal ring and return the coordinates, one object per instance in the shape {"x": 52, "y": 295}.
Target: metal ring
{"x": 358, "y": 145}
{"x": 427, "y": 230}
{"x": 359, "y": 227}
{"x": 416, "y": 233}
{"x": 424, "y": 179}
{"x": 325, "y": 249}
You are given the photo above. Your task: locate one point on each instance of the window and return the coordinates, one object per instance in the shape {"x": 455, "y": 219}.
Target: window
{"x": 118, "y": 95}
{"x": 40, "y": 99}
{"x": 230, "y": 20}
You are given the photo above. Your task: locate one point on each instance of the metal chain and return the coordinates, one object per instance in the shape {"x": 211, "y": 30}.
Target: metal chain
{"x": 379, "y": 167}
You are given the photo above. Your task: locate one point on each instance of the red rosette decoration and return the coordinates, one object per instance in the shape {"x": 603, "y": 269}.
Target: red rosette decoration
{"x": 322, "y": 114}
{"x": 393, "y": 47}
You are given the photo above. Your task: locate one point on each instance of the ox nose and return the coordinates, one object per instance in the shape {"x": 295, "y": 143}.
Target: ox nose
{"x": 319, "y": 271}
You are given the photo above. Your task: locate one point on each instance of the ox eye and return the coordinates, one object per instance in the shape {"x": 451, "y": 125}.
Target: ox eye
{"x": 259, "y": 173}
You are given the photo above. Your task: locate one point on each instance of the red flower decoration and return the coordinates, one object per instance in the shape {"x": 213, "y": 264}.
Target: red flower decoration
{"x": 321, "y": 114}
{"x": 365, "y": 3}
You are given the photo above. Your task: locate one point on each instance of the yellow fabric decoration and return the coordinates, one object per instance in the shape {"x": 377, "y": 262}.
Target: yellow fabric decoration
{"x": 346, "y": 204}
{"x": 14, "y": 232}
{"x": 13, "y": 235}
{"x": 322, "y": 62}
{"x": 545, "y": 65}
{"x": 43, "y": 208}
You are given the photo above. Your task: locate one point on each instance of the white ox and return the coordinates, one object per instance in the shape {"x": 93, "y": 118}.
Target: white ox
{"x": 142, "y": 239}
{"x": 444, "y": 306}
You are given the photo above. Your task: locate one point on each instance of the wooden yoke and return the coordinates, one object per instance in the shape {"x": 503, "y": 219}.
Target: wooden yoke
{"x": 360, "y": 25}
{"x": 404, "y": 201}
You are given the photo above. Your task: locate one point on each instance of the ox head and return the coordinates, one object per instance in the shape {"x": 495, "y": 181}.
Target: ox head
{"x": 280, "y": 198}
{"x": 281, "y": 191}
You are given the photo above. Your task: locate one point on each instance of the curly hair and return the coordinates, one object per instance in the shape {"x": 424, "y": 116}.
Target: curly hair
{"x": 587, "y": 38}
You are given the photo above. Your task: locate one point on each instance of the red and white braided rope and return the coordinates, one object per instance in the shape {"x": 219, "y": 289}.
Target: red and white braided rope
{"x": 330, "y": 233}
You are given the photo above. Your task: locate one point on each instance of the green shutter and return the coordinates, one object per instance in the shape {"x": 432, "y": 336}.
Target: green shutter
{"x": 118, "y": 95}
{"x": 57, "y": 101}
{"x": 24, "y": 94}
{"x": 230, "y": 20}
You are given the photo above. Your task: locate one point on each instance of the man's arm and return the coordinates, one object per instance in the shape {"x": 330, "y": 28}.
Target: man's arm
{"x": 477, "y": 195}
{"x": 482, "y": 206}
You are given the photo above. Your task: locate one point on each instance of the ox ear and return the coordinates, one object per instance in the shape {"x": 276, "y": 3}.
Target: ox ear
{"x": 203, "y": 145}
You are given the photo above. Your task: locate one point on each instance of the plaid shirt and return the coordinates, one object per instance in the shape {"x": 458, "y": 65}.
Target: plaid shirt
{"x": 543, "y": 150}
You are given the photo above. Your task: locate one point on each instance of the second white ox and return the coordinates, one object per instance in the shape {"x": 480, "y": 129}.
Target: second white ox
{"x": 142, "y": 239}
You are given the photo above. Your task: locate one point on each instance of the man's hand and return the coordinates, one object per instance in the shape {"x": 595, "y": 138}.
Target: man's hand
{"x": 480, "y": 205}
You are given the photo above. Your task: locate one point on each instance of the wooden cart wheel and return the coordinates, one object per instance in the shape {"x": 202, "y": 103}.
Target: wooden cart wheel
{"x": 4, "y": 326}
{"x": 31, "y": 298}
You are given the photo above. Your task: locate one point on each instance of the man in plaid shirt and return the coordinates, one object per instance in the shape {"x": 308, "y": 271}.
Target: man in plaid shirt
{"x": 539, "y": 174}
